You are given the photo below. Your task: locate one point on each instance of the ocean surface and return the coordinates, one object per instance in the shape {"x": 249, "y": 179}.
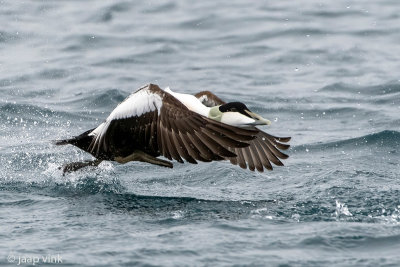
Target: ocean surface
{"x": 326, "y": 74}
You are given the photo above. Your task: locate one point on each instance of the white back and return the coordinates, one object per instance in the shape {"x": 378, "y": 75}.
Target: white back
{"x": 191, "y": 102}
{"x": 137, "y": 104}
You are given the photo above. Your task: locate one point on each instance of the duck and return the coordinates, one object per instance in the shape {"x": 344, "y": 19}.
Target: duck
{"x": 152, "y": 122}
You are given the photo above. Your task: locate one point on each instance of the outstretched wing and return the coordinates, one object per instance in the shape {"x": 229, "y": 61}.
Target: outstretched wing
{"x": 155, "y": 122}
{"x": 262, "y": 150}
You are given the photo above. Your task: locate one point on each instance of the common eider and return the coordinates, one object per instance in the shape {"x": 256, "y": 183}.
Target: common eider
{"x": 152, "y": 122}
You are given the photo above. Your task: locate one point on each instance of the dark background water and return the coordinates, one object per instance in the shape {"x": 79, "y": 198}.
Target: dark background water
{"x": 326, "y": 74}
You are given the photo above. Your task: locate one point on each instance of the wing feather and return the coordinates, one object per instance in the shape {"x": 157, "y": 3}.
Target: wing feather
{"x": 241, "y": 159}
{"x": 248, "y": 158}
{"x": 192, "y": 150}
{"x": 270, "y": 155}
{"x": 260, "y": 151}
{"x": 204, "y": 151}
{"x": 218, "y": 150}
{"x": 256, "y": 158}
{"x": 263, "y": 148}
{"x": 172, "y": 146}
{"x": 182, "y": 149}
{"x": 275, "y": 151}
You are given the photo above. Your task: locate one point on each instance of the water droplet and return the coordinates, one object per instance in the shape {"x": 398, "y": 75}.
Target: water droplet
{"x": 341, "y": 208}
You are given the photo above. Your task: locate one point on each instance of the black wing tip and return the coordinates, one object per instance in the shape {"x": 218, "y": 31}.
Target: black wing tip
{"x": 284, "y": 139}
{"x": 283, "y": 156}
{"x": 282, "y": 146}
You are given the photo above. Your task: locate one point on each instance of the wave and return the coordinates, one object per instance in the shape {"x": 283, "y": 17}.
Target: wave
{"x": 16, "y": 112}
{"x": 386, "y": 138}
{"x": 335, "y": 13}
{"x": 107, "y": 13}
{"x": 56, "y": 186}
{"x": 104, "y": 100}
{"x": 108, "y": 98}
{"x": 6, "y": 37}
{"x": 111, "y": 195}
{"x": 361, "y": 239}
{"x": 389, "y": 88}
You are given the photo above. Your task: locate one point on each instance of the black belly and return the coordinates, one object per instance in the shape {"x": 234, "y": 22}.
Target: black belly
{"x": 125, "y": 136}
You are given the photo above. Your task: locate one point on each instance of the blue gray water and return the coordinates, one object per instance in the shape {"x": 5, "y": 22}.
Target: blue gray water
{"x": 326, "y": 74}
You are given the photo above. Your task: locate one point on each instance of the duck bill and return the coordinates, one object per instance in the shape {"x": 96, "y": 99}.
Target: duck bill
{"x": 258, "y": 119}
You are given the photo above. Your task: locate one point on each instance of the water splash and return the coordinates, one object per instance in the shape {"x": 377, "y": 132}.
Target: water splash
{"x": 341, "y": 209}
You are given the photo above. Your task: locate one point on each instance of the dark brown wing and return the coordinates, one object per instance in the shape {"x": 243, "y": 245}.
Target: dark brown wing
{"x": 169, "y": 129}
{"x": 209, "y": 99}
{"x": 185, "y": 134}
{"x": 261, "y": 152}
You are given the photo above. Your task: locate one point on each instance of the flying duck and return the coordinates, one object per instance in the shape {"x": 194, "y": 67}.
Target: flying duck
{"x": 152, "y": 122}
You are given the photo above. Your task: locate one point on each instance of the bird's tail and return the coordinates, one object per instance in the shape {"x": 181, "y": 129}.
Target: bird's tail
{"x": 82, "y": 141}
{"x": 62, "y": 142}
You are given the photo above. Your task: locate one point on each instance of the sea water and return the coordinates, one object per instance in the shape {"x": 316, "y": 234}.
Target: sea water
{"x": 325, "y": 73}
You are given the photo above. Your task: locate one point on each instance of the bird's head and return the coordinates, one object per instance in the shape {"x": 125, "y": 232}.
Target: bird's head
{"x": 238, "y": 114}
